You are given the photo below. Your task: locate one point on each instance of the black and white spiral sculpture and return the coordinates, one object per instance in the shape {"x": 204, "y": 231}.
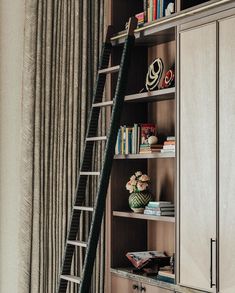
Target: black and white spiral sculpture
{"x": 154, "y": 74}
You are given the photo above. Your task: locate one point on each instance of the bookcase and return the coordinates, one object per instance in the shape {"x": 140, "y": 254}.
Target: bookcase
{"x": 127, "y": 231}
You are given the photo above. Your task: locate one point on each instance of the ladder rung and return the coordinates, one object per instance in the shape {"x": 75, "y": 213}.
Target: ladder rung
{"x": 77, "y": 243}
{"x": 69, "y": 278}
{"x": 98, "y": 138}
{"x": 103, "y": 104}
{"x": 80, "y": 208}
{"x": 112, "y": 69}
{"x": 90, "y": 173}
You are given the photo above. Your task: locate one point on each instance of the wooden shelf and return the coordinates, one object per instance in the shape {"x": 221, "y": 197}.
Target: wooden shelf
{"x": 153, "y": 96}
{"x": 143, "y": 216}
{"x": 163, "y": 29}
{"x": 146, "y": 156}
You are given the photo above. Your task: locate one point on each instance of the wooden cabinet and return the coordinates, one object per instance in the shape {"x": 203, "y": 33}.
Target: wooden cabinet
{"x": 226, "y": 156}
{"x": 121, "y": 285}
{"x": 203, "y": 113}
{"x": 152, "y": 289}
{"x": 197, "y": 172}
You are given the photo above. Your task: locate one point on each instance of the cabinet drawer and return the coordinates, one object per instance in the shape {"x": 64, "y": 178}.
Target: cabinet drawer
{"x": 123, "y": 285}
{"x": 152, "y": 289}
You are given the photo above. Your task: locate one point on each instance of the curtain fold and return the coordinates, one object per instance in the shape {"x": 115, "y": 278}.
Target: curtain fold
{"x": 62, "y": 45}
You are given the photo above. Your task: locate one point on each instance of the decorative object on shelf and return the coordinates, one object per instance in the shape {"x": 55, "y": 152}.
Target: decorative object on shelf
{"x": 152, "y": 140}
{"x": 147, "y": 130}
{"x": 169, "y": 8}
{"x": 154, "y": 74}
{"x": 139, "y": 192}
{"x": 169, "y": 79}
{"x": 141, "y": 259}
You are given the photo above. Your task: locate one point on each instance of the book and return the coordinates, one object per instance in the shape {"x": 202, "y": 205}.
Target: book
{"x": 169, "y": 147}
{"x": 170, "y": 138}
{"x": 142, "y": 258}
{"x": 170, "y": 208}
{"x": 166, "y": 272}
{"x": 145, "y": 10}
{"x": 140, "y": 17}
{"x": 157, "y": 204}
{"x": 154, "y": 9}
{"x": 118, "y": 143}
{"x": 159, "y": 213}
{"x": 169, "y": 142}
{"x": 147, "y": 130}
{"x": 167, "y": 151}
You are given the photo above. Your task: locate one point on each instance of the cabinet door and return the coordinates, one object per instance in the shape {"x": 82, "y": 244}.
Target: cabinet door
{"x": 144, "y": 288}
{"x": 197, "y": 154}
{"x": 227, "y": 156}
{"x": 123, "y": 285}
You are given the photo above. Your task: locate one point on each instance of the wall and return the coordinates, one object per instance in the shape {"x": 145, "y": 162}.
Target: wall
{"x": 11, "y": 57}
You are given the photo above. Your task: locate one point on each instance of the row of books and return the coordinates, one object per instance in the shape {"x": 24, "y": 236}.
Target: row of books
{"x": 166, "y": 147}
{"x": 160, "y": 208}
{"x": 129, "y": 139}
{"x": 155, "y": 9}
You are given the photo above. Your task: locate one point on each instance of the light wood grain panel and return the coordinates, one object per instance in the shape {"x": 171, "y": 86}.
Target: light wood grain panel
{"x": 227, "y": 155}
{"x": 123, "y": 285}
{"x": 197, "y": 154}
{"x": 161, "y": 237}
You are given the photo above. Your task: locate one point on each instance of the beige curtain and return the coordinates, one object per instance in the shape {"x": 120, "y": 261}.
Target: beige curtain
{"x": 62, "y": 44}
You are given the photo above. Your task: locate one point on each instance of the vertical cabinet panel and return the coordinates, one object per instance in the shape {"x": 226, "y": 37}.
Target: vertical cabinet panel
{"x": 197, "y": 142}
{"x": 227, "y": 155}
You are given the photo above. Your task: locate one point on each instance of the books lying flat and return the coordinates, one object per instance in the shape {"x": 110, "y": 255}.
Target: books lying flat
{"x": 167, "y": 151}
{"x": 148, "y": 149}
{"x": 161, "y": 209}
{"x": 159, "y": 213}
{"x": 170, "y": 138}
{"x": 166, "y": 273}
{"x": 156, "y": 204}
{"x": 169, "y": 147}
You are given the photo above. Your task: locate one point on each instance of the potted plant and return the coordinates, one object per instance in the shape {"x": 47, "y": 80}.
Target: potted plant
{"x": 138, "y": 187}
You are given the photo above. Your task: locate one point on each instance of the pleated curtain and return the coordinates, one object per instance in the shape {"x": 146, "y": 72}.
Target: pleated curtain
{"x": 62, "y": 44}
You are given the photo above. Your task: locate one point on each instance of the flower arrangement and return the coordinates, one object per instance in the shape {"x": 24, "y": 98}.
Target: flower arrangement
{"x": 138, "y": 183}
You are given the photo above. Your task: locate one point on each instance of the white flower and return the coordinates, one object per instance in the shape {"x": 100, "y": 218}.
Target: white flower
{"x": 133, "y": 182}
{"x": 142, "y": 186}
{"x": 129, "y": 187}
{"x": 138, "y": 173}
{"x": 144, "y": 178}
{"x": 132, "y": 177}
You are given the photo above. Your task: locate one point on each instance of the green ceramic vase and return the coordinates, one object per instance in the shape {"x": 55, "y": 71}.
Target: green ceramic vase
{"x": 138, "y": 201}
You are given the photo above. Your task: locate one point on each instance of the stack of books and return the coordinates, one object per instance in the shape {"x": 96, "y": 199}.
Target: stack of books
{"x": 169, "y": 145}
{"x": 155, "y": 9}
{"x": 140, "y": 17}
{"x": 165, "y": 274}
{"x": 160, "y": 208}
{"x": 149, "y": 149}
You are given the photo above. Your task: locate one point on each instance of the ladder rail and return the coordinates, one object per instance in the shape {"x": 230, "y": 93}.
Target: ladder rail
{"x": 107, "y": 165}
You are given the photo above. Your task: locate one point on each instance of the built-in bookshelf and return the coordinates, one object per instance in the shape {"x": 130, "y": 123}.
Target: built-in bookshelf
{"x": 129, "y": 231}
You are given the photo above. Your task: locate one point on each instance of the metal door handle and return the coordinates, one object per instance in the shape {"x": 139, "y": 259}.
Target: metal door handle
{"x": 211, "y": 262}
{"x": 134, "y": 287}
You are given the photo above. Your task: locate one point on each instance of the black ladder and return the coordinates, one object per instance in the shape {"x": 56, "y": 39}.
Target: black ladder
{"x": 85, "y": 169}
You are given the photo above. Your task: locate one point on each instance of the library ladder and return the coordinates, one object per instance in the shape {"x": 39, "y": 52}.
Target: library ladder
{"x": 85, "y": 169}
